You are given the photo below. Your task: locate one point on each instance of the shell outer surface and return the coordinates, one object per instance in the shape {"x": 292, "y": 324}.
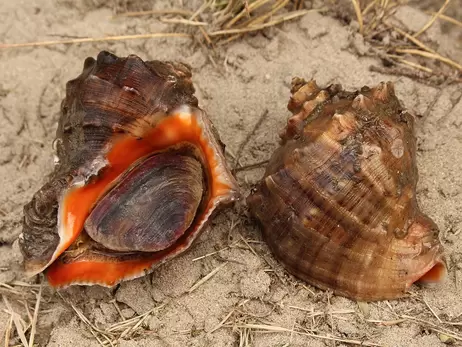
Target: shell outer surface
{"x": 337, "y": 202}
{"x": 118, "y": 116}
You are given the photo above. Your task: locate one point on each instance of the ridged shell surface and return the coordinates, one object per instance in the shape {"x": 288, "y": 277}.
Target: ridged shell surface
{"x": 140, "y": 170}
{"x": 337, "y": 203}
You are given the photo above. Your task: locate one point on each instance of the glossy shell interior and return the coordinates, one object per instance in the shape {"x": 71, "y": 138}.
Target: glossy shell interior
{"x": 117, "y": 114}
{"x": 337, "y": 203}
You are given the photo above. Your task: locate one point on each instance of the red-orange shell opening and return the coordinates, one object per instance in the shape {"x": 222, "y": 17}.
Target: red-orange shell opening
{"x": 436, "y": 274}
{"x": 183, "y": 125}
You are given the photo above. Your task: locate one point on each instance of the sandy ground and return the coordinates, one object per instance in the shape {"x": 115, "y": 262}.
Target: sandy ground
{"x": 251, "y": 76}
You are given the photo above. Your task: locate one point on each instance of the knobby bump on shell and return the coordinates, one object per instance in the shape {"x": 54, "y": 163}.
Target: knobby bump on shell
{"x": 140, "y": 170}
{"x": 337, "y": 202}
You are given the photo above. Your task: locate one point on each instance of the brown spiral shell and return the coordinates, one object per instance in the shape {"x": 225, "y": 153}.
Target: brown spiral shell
{"x": 337, "y": 202}
{"x": 140, "y": 171}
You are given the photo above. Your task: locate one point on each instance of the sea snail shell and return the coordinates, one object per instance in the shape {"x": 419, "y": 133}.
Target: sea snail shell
{"x": 140, "y": 170}
{"x": 337, "y": 202}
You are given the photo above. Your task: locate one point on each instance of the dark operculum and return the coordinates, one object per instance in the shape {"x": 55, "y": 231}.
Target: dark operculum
{"x": 151, "y": 206}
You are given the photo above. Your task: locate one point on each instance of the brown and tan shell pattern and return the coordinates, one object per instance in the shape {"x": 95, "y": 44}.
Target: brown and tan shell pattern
{"x": 337, "y": 202}
{"x": 140, "y": 171}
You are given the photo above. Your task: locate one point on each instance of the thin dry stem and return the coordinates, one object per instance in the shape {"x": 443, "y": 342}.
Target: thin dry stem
{"x": 253, "y": 6}
{"x": 277, "y": 329}
{"x": 447, "y": 19}
{"x": 433, "y": 19}
{"x": 435, "y": 327}
{"x": 183, "y": 21}
{"x": 17, "y": 322}
{"x": 430, "y": 55}
{"x": 216, "y": 252}
{"x": 401, "y": 60}
{"x": 222, "y": 322}
{"x": 359, "y": 15}
{"x": 180, "y": 12}
{"x": 279, "y": 20}
{"x": 413, "y": 39}
{"x": 89, "y": 39}
{"x": 8, "y": 331}
{"x": 35, "y": 317}
{"x": 206, "y": 278}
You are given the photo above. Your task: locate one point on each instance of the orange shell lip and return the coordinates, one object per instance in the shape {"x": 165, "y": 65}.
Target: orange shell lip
{"x": 436, "y": 273}
{"x": 183, "y": 125}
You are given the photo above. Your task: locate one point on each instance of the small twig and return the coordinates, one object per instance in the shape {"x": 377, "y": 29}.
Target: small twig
{"x": 251, "y": 166}
{"x": 253, "y": 6}
{"x": 223, "y": 321}
{"x": 34, "y": 318}
{"x": 448, "y": 19}
{"x": 8, "y": 331}
{"x": 431, "y": 56}
{"x": 206, "y": 278}
{"x": 249, "y": 136}
{"x": 386, "y": 323}
{"x": 434, "y": 327}
{"x": 213, "y": 253}
{"x": 433, "y": 312}
{"x": 89, "y": 39}
{"x": 183, "y": 21}
{"x": 181, "y": 12}
{"x": 276, "y": 329}
{"x": 410, "y": 63}
{"x": 358, "y": 15}
{"x": 433, "y": 19}
{"x": 412, "y": 39}
{"x": 17, "y": 323}
{"x": 247, "y": 244}
{"x": 279, "y": 20}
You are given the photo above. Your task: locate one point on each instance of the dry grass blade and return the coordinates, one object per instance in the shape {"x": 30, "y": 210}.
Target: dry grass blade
{"x": 280, "y": 19}
{"x": 433, "y": 19}
{"x": 35, "y": 317}
{"x": 223, "y": 321}
{"x": 201, "y": 9}
{"x": 447, "y": 19}
{"x": 435, "y": 327}
{"x": 216, "y": 252}
{"x": 369, "y": 7}
{"x": 206, "y": 278}
{"x": 89, "y": 39}
{"x": 276, "y": 329}
{"x": 403, "y": 61}
{"x": 180, "y": 12}
{"x": 17, "y": 322}
{"x": 386, "y": 323}
{"x": 245, "y": 11}
{"x": 8, "y": 329}
{"x": 261, "y": 19}
{"x": 430, "y": 55}
{"x": 432, "y": 311}
{"x": 183, "y": 21}
{"x": 359, "y": 15}
{"x": 413, "y": 39}
{"x": 122, "y": 326}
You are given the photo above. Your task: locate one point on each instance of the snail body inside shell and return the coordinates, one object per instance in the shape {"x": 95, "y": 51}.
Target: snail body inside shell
{"x": 337, "y": 202}
{"x": 140, "y": 172}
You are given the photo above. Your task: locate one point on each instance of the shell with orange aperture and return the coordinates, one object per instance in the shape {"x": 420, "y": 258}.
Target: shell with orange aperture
{"x": 140, "y": 171}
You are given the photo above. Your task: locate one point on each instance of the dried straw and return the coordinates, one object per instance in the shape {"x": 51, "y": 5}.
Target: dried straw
{"x": 433, "y": 19}
{"x": 374, "y": 20}
{"x": 89, "y": 39}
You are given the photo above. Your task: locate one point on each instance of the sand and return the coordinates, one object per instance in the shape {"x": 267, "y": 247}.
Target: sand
{"x": 251, "y": 76}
